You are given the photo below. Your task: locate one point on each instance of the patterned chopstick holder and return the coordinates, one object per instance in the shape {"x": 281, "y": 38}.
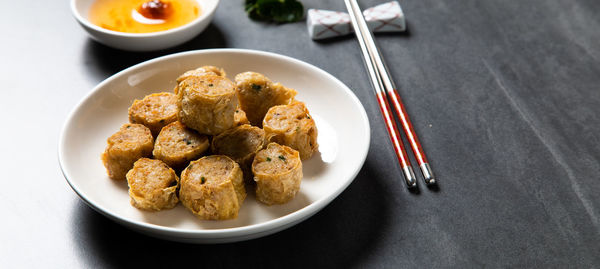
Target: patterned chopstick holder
{"x": 387, "y": 17}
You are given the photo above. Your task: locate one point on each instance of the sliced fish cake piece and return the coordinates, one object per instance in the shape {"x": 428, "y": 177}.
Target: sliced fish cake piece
{"x": 207, "y": 104}
{"x": 154, "y": 111}
{"x": 258, "y": 93}
{"x": 177, "y": 145}
{"x": 212, "y": 188}
{"x": 278, "y": 173}
{"x": 152, "y": 185}
{"x": 131, "y": 142}
{"x": 292, "y": 125}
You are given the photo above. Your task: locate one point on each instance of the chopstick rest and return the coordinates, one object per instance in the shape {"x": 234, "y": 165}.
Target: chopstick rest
{"x": 387, "y": 17}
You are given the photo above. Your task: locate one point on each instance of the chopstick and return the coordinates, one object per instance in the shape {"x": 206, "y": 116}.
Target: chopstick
{"x": 367, "y": 44}
{"x": 386, "y": 112}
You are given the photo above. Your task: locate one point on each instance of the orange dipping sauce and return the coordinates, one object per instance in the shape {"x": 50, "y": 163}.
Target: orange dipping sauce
{"x": 143, "y": 16}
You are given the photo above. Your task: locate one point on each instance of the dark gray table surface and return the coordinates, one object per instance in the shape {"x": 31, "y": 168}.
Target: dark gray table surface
{"x": 505, "y": 96}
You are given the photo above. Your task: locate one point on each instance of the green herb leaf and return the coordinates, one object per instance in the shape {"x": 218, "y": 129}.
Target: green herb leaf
{"x": 268, "y": 159}
{"x": 280, "y": 11}
{"x": 281, "y": 157}
{"x": 202, "y": 180}
{"x": 256, "y": 87}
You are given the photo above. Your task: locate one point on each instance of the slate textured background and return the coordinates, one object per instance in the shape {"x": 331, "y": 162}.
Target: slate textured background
{"x": 505, "y": 96}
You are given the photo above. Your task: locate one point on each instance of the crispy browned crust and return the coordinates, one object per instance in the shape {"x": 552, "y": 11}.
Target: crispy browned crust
{"x": 154, "y": 111}
{"x": 207, "y": 104}
{"x": 292, "y": 125}
{"x": 198, "y": 72}
{"x": 131, "y": 142}
{"x": 240, "y": 144}
{"x": 152, "y": 185}
{"x": 258, "y": 93}
{"x": 240, "y": 117}
{"x": 177, "y": 145}
{"x": 212, "y": 188}
{"x": 278, "y": 173}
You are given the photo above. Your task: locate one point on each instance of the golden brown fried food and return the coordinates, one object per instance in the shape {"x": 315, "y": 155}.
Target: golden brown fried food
{"x": 152, "y": 185}
{"x": 154, "y": 111}
{"x": 240, "y": 117}
{"x": 258, "y": 93}
{"x": 212, "y": 188}
{"x": 240, "y": 144}
{"x": 177, "y": 145}
{"x": 198, "y": 72}
{"x": 278, "y": 173}
{"x": 131, "y": 142}
{"x": 292, "y": 125}
{"x": 207, "y": 104}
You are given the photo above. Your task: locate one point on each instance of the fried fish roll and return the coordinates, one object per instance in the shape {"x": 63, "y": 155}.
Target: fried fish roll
{"x": 258, "y": 93}
{"x": 212, "y": 188}
{"x": 207, "y": 104}
{"x": 292, "y": 125}
{"x": 240, "y": 144}
{"x": 278, "y": 173}
{"x": 131, "y": 142}
{"x": 154, "y": 111}
{"x": 240, "y": 117}
{"x": 200, "y": 71}
{"x": 177, "y": 145}
{"x": 152, "y": 185}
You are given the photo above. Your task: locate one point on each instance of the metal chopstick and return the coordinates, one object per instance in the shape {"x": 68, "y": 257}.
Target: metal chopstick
{"x": 386, "y": 112}
{"x": 364, "y": 35}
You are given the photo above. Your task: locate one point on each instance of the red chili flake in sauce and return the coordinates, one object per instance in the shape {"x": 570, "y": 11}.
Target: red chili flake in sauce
{"x": 155, "y": 9}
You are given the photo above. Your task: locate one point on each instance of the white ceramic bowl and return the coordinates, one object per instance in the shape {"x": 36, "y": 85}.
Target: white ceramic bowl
{"x": 343, "y": 137}
{"x": 144, "y": 41}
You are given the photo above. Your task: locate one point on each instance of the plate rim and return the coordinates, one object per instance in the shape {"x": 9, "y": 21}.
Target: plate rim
{"x": 291, "y": 218}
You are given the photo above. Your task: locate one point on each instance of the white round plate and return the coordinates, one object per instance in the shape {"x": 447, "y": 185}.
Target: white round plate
{"x": 343, "y": 137}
